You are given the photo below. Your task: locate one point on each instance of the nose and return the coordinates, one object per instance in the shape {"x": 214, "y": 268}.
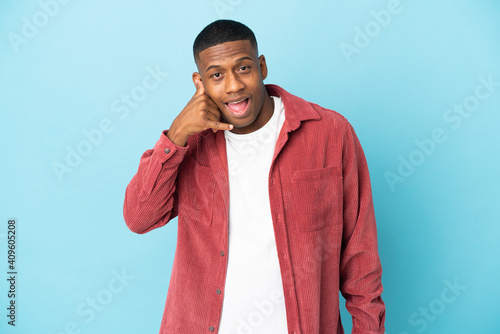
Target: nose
{"x": 233, "y": 83}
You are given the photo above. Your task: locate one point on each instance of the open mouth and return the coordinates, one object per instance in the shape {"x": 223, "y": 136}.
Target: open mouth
{"x": 238, "y": 108}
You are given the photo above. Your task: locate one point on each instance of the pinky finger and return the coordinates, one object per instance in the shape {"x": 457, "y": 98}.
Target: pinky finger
{"x": 217, "y": 125}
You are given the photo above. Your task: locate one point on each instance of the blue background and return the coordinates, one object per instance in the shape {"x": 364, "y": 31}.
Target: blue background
{"x": 438, "y": 224}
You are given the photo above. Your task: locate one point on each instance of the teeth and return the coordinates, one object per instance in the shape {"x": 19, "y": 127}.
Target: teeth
{"x": 237, "y": 101}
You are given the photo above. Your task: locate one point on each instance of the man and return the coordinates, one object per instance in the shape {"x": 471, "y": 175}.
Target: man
{"x": 273, "y": 200}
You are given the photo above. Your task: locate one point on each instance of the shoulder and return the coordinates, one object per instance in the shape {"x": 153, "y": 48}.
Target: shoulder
{"x": 297, "y": 108}
{"x": 330, "y": 116}
{"x": 335, "y": 127}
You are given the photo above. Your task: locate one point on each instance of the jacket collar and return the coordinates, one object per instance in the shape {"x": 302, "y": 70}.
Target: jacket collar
{"x": 296, "y": 109}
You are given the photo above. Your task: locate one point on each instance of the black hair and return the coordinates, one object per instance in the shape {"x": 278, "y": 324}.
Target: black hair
{"x": 222, "y": 31}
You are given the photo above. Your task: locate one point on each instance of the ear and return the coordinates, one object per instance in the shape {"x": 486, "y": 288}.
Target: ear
{"x": 196, "y": 77}
{"x": 263, "y": 66}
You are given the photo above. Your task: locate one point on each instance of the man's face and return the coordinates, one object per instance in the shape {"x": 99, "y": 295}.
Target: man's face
{"x": 233, "y": 75}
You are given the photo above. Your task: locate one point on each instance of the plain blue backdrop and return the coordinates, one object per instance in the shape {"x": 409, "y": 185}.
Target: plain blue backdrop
{"x": 418, "y": 80}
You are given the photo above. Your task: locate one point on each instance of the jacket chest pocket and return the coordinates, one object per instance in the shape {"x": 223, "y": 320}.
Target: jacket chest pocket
{"x": 196, "y": 186}
{"x": 313, "y": 199}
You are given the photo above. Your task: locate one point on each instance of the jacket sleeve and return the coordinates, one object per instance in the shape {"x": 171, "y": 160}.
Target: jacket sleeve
{"x": 360, "y": 266}
{"x": 150, "y": 197}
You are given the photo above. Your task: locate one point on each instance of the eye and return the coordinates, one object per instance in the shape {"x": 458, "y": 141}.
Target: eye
{"x": 216, "y": 76}
{"x": 244, "y": 68}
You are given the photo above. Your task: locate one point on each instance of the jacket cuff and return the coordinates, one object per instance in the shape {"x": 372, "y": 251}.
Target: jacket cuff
{"x": 165, "y": 149}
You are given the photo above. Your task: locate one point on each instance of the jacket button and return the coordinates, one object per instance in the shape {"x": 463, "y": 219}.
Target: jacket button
{"x": 211, "y": 328}
{"x": 167, "y": 150}
{"x": 218, "y": 291}
{"x": 221, "y": 253}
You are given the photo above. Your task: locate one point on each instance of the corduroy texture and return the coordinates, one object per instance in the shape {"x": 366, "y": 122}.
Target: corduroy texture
{"x": 323, "y": 219}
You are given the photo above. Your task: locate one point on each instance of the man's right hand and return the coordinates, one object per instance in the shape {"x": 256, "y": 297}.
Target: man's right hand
{"x": 199, "y": 114}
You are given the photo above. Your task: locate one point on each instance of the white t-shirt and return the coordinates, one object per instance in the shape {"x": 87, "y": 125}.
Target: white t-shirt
{"x": 253, "y": 297}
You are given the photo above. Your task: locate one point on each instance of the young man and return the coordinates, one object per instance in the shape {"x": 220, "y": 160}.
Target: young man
{"x": 273, "y": 200}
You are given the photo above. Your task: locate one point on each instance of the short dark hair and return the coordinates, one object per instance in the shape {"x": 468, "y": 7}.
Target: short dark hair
{"x": 222, "y": 31}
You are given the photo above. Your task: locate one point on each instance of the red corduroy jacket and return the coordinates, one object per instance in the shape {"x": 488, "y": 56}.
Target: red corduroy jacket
{"x": 323, "y": 219}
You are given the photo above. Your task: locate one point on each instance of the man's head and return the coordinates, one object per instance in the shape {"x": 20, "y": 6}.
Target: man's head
{"x": 233, "y": 74}
{"x": 222, "y": 31}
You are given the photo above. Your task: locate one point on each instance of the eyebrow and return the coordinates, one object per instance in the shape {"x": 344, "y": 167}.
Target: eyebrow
{"x": 237, "y": 60}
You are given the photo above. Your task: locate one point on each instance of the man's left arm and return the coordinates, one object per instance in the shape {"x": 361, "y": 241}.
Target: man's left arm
{"x": 360, "y": 267}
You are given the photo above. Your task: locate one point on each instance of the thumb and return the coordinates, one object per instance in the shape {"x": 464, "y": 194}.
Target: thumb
{"x": 200, "y": 89}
